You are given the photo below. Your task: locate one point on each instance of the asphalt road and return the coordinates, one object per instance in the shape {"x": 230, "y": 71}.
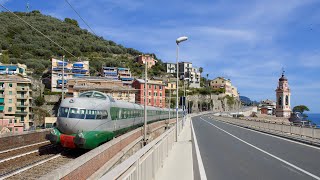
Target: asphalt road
{"x": 229, "y": 152}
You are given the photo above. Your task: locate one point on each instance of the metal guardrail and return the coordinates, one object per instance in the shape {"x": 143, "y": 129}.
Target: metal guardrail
{"x": 310, "y": 135}
{"x": 146, "y": 162}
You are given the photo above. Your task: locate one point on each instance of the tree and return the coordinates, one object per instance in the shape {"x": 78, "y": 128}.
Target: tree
{"x": 39, "y": 101}
{"x": 71, "y": 21}
{"x": 300, "y": 108}
{"x": 201, "y": 70}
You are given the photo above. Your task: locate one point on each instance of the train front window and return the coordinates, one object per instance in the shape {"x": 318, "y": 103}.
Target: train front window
{"x": 77, "y": 113}
{"x": 91, "y": 114}
{"x": 86, "y": 94}
{"x": 63, "y": 112}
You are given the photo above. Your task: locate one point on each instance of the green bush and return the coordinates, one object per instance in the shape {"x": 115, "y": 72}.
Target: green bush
{"x": 39, "y": 101}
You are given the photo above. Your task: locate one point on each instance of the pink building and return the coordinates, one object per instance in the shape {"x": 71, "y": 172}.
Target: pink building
{"x": 156, "y": 93}
{"x": 142, "y": 59}
{"x": 9, "y": 124}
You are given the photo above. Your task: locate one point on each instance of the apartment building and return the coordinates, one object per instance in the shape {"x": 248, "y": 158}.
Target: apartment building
{"x": 142, "y": 59}
{"x": 223, "y": 83}
{"x": 16, "y": 101}
{"x": 110, "y": 72}
{"x": 125, "y": 76}
{"x": 114, "y": 88}
{"x": 156, "y": 93}
{"x": 171, "y": 68}
{"x": 71, "y": 70}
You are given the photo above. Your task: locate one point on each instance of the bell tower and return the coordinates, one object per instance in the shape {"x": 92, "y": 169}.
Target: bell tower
{"x": 283, "y": 98}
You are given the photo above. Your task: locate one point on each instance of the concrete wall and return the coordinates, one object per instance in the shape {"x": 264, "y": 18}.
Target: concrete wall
{"x": 26, "y": 138}
{"x": 215, "y": 103}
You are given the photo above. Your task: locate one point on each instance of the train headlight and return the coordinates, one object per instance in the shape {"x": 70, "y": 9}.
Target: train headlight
{"x": 81, "y": 135}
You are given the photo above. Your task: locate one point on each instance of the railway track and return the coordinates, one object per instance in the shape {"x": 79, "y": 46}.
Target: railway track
{"x": 34, "y": 161}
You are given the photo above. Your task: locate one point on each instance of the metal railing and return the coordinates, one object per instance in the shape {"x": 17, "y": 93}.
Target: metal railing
{"x": 146, "y": 162}
{"x": 307, "y": 134}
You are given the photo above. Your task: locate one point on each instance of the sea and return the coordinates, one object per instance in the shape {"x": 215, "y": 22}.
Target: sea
{"x": 315, "y": 118}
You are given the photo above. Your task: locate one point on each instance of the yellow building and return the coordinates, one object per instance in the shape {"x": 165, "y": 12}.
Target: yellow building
{"x": 114, "y": 88}
{"x": 16, "y": 99}
{"x": 223, "y": 83}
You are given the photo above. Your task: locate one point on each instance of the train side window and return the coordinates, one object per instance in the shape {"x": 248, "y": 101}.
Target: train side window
{"x": 105, "y": 115}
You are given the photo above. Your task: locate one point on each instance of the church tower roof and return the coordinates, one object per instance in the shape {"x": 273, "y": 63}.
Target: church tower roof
{"x": 283, "y": 78}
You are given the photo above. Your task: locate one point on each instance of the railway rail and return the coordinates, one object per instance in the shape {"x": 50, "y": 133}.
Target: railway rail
{"x": 33, "y": 161}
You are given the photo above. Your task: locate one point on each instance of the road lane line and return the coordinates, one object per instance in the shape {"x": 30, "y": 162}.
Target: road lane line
{"x": 202, "y": 171}
{"x": 276, "y": 157}
{"x": 271, "y": 135}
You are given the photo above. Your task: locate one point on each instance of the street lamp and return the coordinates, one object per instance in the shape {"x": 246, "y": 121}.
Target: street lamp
{"x": 179, "y": 40}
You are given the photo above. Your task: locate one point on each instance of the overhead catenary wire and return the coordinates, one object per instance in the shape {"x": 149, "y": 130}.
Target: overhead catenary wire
{"x": 37, "y": 30}
{"x": 80, "y": 17}
{"x": 85, "y": 22}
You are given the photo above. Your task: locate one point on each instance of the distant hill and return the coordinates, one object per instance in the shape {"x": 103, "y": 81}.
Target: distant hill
{"x": 21, "y": 44}
{"x": 247, "y": 101}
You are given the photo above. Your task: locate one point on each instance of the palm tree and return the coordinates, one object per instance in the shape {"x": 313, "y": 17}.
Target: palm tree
{"x": 207, "y": 80}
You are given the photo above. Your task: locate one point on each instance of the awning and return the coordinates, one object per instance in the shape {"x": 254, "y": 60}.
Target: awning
{"x": 1, "y": 100}
{"x": 77, "y": 65}
{"x": 60, "y": 81}
{"x": 1, "y": 108}
{"x": 12, "y": 68}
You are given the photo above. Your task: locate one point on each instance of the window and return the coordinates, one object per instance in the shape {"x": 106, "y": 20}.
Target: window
{"x": 15, "y": 129}
{"x": 99, "y": 95}
{"x": 160, "y": 101}
{"x": 63, "y": 112}
{"x": 10, "y": 120}
{"x": 22, "y": 119}
{"x": 149, "y": 86}
{"x": 10, "y": 109}
{"x": 287, "y": 100}
{"x": 10, "y": 92}
{"x": 160, "y": 94}
{"x": 149, "y": 93}
{"x": 149, "y": 100}
{"x": 15, "y": 121}
{"x": 91, "y": 114}
{"x": 10, "y": 101}
{"x": 155, "y": 86}
{"x": 160, "y": 87}
{"x": 280, "y": 101}
{"x": 77, "y": 113}
{"x": 10, "y": 84}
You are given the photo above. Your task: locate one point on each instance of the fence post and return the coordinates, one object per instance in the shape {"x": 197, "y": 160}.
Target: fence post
{"x": 290, "y": 129}
{"x": 300, "y": 131}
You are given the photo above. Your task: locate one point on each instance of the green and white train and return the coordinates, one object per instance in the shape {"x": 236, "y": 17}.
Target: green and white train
{"x": 94, "y": 118}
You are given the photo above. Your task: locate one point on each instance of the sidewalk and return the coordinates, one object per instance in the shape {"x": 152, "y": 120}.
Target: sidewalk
{"x": 179, "y": 163}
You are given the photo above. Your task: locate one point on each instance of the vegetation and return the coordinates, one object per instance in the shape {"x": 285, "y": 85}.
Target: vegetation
{"x": 301, "y": 109}
{"x": 39, "y": 115}
{"x": 39, "y": 101}
{"x": 20, "y": 44}
{"x": 230, "y": 100}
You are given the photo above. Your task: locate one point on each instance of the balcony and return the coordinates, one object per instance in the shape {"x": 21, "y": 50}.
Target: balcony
{"x": 21, "y": 112}
{"x": 22, "y": 97}
{"x": 22, "y": 89}
{"x": 22, "y": 104}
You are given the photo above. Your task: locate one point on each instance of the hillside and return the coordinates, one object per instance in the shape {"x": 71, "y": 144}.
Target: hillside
{"x": 20, "y": 44}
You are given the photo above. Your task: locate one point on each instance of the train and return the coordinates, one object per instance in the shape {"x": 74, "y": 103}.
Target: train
{"x": 94, "y": 118}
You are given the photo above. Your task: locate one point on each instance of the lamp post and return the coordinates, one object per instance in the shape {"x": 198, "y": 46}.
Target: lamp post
{"x": 145, "y": 101}
{"x": 178, "y": 41}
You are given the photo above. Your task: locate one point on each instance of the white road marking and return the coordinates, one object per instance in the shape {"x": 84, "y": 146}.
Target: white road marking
{"x": 271, "y": 135}
{"x": 278, "y": 158}
{"x": 202, "y": 171}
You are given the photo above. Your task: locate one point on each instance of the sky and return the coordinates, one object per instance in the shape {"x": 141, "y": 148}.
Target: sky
{"x": 248, "y": 41}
